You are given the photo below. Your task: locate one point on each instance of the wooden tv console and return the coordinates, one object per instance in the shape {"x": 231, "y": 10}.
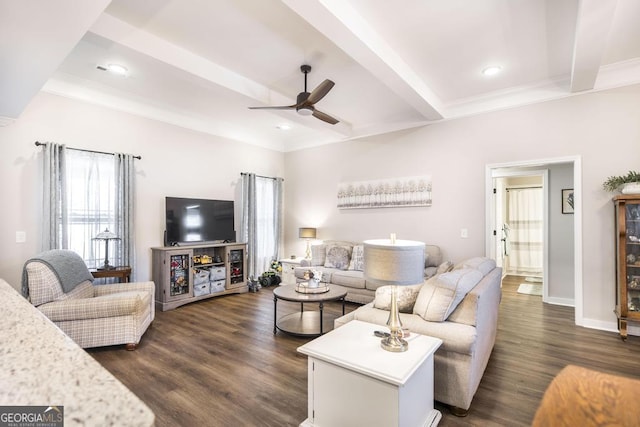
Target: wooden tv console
{"x": 185, "y": 274}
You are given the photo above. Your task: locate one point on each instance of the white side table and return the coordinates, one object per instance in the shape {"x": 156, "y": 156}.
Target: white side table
{"x": 288, "y": 275}
{"x": 352, "y": 381}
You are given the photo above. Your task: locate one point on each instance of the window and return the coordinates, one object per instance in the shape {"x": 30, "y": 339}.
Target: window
{"x": 91, "y": 206}
{"x": 86, "y": 193}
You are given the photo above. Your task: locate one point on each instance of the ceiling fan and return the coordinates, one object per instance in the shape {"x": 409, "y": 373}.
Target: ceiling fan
{"x": 305, "y": 101}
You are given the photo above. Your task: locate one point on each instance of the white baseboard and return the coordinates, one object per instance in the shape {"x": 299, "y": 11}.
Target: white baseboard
{"x": 560, "y": 301}
{"x": 600, "y": 325}
{"x": 632, "y": 329}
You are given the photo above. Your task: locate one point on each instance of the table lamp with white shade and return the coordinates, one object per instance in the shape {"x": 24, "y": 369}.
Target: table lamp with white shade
{"x": 396, "y": 263}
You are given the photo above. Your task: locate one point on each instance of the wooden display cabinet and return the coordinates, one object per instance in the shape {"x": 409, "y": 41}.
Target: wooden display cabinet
{"x": 627, "y": 212}
{"x": 191, "y": 273}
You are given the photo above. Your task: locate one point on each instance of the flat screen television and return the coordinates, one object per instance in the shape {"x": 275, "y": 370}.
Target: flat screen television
{"x": 191, "y": 221}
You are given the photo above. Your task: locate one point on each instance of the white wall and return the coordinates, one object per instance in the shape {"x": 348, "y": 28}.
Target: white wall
{"x": 561, "y": 250}
{"x": 175, "y": 162}
{"x": 603, "y": 128}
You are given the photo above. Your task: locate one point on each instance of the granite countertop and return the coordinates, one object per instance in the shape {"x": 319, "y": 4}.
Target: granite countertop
{"x": 42, "y": 366}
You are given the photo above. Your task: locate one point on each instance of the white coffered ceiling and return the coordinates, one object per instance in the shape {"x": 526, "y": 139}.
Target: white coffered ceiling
{"x": 199, "y": 64}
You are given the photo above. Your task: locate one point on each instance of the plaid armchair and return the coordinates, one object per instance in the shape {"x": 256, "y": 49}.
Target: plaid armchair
{"x": 93, "y": 316}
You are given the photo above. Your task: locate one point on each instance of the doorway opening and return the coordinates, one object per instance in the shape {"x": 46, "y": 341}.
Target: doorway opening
{"x": 562, "y": 233}
{"x": 521, "y": 226}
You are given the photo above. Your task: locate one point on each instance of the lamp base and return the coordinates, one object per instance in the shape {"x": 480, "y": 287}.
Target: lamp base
{"x": 394, "y": 344}
{"x": 307, "y": 255}
{"x": 106, "y": 267}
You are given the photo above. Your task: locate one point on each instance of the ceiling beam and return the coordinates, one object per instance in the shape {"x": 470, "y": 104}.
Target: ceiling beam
{"x": 344, "y": 26}
{"x": 36, "y": 38}
{"x": 595, "y": 18}
{"x": 148, "y": 44}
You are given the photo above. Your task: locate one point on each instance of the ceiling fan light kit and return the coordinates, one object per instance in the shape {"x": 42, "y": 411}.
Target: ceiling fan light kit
{"x": 305, "y": 111}
{"x": 305, "y": 100}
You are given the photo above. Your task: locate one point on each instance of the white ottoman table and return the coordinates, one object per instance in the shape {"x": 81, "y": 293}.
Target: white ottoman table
{"x": 352, "y": 381}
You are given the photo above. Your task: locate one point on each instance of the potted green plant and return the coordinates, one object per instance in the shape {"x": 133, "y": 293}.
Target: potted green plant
{"x": 627, "y": 184}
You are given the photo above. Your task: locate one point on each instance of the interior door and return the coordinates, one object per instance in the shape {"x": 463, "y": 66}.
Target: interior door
{"x": 496, "y": 247}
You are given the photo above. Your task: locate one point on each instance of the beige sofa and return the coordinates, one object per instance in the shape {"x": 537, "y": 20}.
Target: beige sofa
{"x": 349, "y": 272}
{"x": 468, "y": 332}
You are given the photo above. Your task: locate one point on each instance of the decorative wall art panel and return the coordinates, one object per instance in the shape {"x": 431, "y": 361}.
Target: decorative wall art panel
{"x": 389, "y": 193}
{"x": 567, "y": 201}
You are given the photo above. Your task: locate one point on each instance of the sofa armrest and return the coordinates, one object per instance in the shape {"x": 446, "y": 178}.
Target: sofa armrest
{"x": 113, "y": 305}
{"x": 488, "y": 294}
{"x": 487, "y": 298}
{"x": 348, "y": 317}
{"x": 305, "y": 262}
{"x": 434, "y": 255}
{"x": 150, "y": 287}
{"x": 343, "y": 320}
{"x": 100, "y": 290}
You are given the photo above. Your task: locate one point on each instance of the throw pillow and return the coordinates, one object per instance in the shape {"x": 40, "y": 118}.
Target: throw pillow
{"x": 357, "y": 258}
{"x": 318, "y": 254}
{"x": 338, "y": 257}
{"x": 441, "y": 294}
{"x": 429, "y": 272}
{"x": 444, "y": 267}
{"x": 406, "y": 297}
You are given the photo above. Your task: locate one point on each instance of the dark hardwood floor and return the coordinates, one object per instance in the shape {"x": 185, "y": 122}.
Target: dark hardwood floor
{"x": 217, "y": 362}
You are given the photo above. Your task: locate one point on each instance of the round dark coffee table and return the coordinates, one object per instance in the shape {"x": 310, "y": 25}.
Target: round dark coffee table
{"x": 306, "y": 323}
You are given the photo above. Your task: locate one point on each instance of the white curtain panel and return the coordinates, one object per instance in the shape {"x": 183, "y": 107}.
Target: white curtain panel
{"x": 525, "y": 220}
{"x": 261, "y": 221}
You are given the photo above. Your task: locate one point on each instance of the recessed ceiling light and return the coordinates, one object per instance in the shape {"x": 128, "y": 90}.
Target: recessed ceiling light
{"x": 492, "y": 71}
{"x": 284, "y": 126}
{"x": 117, "y": 69}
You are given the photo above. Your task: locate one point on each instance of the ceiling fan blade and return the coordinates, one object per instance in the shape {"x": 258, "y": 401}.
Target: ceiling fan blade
{"x": 324, "y": 117}
{"x": 320, "y": 91}
{"x": 281, "y": 107}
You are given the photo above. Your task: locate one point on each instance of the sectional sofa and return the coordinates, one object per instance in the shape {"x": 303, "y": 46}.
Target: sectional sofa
{"x": 460, "y": 307}
{"x": 341, "y": 263}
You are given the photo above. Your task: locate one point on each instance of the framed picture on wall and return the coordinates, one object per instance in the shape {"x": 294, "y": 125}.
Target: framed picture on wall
{"x": 567, "y": 201}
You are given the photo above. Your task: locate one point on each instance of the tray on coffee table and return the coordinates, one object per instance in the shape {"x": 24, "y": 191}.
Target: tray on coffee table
{"x": 303, "y": 288}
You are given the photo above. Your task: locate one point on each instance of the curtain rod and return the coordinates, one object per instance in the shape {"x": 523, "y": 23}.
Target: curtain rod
{"x": 260, "y": 176}
{"x": 38, "y": 143}
{"x": 523, "y": 188}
